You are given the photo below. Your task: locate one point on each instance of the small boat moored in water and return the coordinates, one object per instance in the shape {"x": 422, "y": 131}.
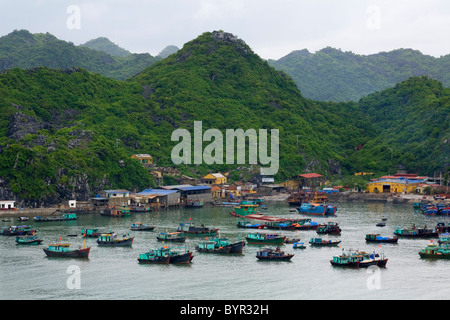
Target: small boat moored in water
{"x": 190, "y": 229}
{"x": 416, "y": 232}
{"x": 264, "y": 238}
{"x": 375, "y": 237}
{"x": 27, "y": 239}
{"x": 139, "y": 226}
{"x": 329, "y": 228}
{"x": 171, "y": 236}
{"x": 359, "y": 259}
{"x": 111, "y": 239}
{"x": 435, "y": 251}
{"x": 269, "y": 254}
{"x": 299, "y": 245}
{"x": 63, "y": 217}
{"x": 165, "y": 255}
{"x": 323, "y": 243}
{"x": 62, "y": 250}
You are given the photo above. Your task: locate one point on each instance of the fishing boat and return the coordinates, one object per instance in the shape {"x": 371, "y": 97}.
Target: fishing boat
{"x": 444, "y": 238}
{"x": 359, "y": 259}
{"x": 190, "y": 229}
{"x": 319, "y": 242}
{"x": 155, "y": 256}
{"x": 430, "y": 210}
{"x": 165, "y": 255}
{"x": 212, "y": 247}
{"x": 236, "y": 247}
{"x": 17, "y": 231}
{"x": 22, "y": 219}
{"x": 441, "y": 227}
{"x": 62, "y": 250}
{"x": 171, "y": 236}
{"x": 330, "y": 210}
{"x": 436, "y": 251}
{"x": 63, "y": 217}
{"x": 444, "y": 210}
{"x": 27, "y": 239}
{"x": 139, "y": 226}
{"x": 375, "y": 237}
{"x": 111, "y": 240}
{"x": 416, "y": 232}
{"x": 249, "y": 225}
{"x": 92, "y": 233}
{"x": 281, "y": 225}
{"x": 269, "y": 254}
{"x": 329, "y": 228}
{"x": 312, "y": 209}
{"x": 299, "y": 245}
{"x": 306, "y": 224}
{"x": 264, "y": 238}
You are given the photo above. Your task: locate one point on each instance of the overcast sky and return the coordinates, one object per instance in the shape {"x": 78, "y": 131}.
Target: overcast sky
{"x": 272, "y": 28}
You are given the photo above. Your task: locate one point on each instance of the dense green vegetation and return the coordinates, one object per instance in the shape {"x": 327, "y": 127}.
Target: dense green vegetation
{"x": 70, "y": 132}
{"x": 333, "y": 75}
{"x": 21, "y": 49}
{"x": 105, "y": 45}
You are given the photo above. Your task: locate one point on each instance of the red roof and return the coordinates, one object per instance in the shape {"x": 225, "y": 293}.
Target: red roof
{"x": 310, "y": 175}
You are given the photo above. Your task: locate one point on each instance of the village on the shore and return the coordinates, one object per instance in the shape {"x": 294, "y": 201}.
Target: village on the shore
{"x": 215, "y": 189}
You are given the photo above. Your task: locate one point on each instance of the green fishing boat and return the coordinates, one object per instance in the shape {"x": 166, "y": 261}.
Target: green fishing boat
{"x": 63, "y": 217}
{"x": 166, "y": 255}
{"x": 436, "y": 251}
{"x": 27, "y": 239}
{"x": 264, "y": 238}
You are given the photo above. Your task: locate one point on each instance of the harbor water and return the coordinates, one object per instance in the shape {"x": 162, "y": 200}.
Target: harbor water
{"x": 113, "y": 273}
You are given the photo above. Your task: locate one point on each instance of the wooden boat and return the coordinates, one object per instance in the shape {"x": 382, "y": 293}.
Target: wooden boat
{"x": 22, "y": 219}
{"x": 27, "y": 239}
{"x": 375, "y": 237}
{"x": 319, "y": 242}
{"x": 17, "y": 231}
{"x": 329, "y": 228}
{"x": 264, "y": 238}
{"x": 92, "y": 233}
{"x": 441, "y": 227}
{"x": 312, "y": 209}
{"x": 155, "y": 256}
{"x": 444, "y": 210}
{"x": 436, "y": 251}
{"x": 381, "y": 224}
{"x": 306, "y": 224}
{"x": 359, "y": 260}
{"x": 63, "y": 217}
{"x": 268, "y": 254}
{"x": 139, "y": 226}
{"x": 190, "y": 229}
{"x": 111, "y": 240}
{"x": 171, "y": 236}
{"x": 289, "y": 240}
{"x": 62, "y": 250}
{"x": 166, "y": 255}
{"x": 444, "y": 238}
{"x": 430, "y": 210}
{"x": 236, "y": 247}
{"x": 212, "y": 247}
{"x": 249, "y": 225}
{"x": 416, "y": 232}
{"x": 299, "y": 245}
{"x": 281, "y": 225}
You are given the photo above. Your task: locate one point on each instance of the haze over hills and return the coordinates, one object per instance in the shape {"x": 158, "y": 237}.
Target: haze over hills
{"x": 70, "y": 133}
{"x": 333, "y": 75}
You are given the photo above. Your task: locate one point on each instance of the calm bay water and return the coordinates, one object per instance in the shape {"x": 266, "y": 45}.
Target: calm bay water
{"x": 114, "y": 273}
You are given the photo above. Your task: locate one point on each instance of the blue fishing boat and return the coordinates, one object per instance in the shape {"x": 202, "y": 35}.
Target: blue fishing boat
{"x": 63, "y": 217}
{"x": 312, "y": 208}
{"x": 27, "y": 239}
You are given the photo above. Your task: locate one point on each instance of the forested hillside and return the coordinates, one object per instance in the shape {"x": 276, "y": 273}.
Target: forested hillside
{"x": 70, "y": 133}
{"x": 333, "y": 75}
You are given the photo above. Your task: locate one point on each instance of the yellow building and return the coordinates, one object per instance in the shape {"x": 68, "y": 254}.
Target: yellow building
{"x": 406, "y": 183}
{"x": 215, "y": 178}
{"x": 143, "y": 158}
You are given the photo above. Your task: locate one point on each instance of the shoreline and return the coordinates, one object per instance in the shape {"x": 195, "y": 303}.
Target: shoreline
{"x": 281, "y": 197}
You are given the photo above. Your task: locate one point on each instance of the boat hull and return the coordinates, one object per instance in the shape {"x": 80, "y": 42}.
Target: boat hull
{"x": 278, "y": 240}
{"x": 286, "y": 257}
{"x": 361, "y": 264}
{"x": 77, "y": 253}
{"x": 115, "y": 243}
{"x": 184, "y": 258}
{"x": 237, "y": 247}
{"x": 155, "y": 260}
